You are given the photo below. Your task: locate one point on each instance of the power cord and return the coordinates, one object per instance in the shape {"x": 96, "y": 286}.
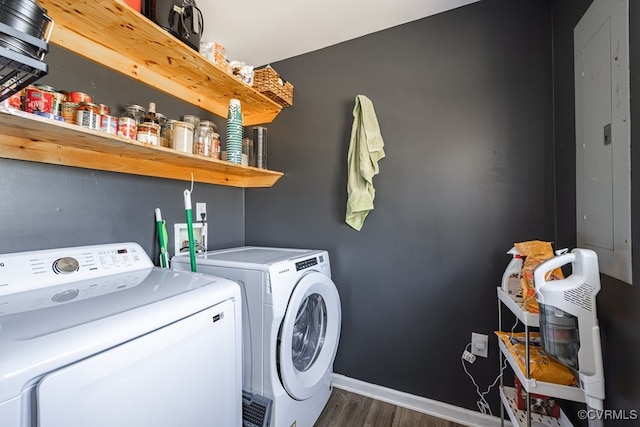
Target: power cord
{"x": 467, "y": 356}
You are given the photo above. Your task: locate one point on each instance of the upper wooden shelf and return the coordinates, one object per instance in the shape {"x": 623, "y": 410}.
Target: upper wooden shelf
{"x": 24, "y": 136}
{"x": 112, "y": 34}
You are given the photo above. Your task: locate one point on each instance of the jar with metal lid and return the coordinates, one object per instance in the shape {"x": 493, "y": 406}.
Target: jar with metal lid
{"x": 203, "y": 145}
{"x": 170, "y": 123}
{"x": 182, "y": 137}
{"x": 88, "y": 115}
{"x": 164, "y": 138}
{"x": 136, "y": 112}
{"x": 149, "y": 133}
{"x": 195, "y": 121}
{"x": 209, "y": 123}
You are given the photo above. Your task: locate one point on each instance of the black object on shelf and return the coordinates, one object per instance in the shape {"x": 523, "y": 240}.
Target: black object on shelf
{"x": 18, "y": 70}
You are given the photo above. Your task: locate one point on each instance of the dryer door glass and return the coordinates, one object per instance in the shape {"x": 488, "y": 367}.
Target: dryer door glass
{"x": 308, "y": 332}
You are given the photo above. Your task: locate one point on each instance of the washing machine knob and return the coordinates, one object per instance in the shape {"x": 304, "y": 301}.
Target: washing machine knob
{"x": 66, "y": 265}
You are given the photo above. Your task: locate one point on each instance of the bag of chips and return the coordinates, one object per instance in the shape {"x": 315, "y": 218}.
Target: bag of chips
{"x": 541, "y": 366}
{"x": 535, "y": 253}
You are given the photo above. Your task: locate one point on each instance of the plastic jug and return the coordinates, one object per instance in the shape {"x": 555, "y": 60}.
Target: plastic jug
{"x": 512, "y": 274}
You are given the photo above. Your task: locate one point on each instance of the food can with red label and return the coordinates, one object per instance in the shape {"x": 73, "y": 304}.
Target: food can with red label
{"x": 109, "y": 124}
{"x": 88, "y": 115}
{"x": 79, "y": 97}
{"x": 14, "y": 101}
{"x": 105, "y": 110}
{"x": 57, "y": 98}
{"x": 127, "y": 127}
{"x": 37, "y": 100}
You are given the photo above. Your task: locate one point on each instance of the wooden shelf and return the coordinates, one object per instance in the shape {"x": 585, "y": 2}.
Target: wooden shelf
{"x": 24, "y": 136}
{"x": 112, "y": 34}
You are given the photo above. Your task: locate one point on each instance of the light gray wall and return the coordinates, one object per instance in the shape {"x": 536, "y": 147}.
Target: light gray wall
{"x": 49, "y": 206}
{"x": 464, "y": 103}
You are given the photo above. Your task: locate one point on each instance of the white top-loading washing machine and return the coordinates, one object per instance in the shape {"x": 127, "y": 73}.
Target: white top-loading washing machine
{"x": 291, "y": 325}
{"x": 97, "y": 336}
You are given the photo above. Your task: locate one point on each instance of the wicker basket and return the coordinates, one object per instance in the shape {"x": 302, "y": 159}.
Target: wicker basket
{"x": 269, "y": 83}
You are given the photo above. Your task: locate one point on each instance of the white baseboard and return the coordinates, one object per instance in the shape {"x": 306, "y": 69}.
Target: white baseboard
{"x": 417, "y": 403}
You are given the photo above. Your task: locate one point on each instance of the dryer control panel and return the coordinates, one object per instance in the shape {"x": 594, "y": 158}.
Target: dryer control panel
{"x": 25, "y": 271}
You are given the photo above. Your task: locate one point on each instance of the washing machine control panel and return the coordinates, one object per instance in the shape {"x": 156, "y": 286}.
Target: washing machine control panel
{"x": 39, "y": 269}
{"x": 301, "y": 265}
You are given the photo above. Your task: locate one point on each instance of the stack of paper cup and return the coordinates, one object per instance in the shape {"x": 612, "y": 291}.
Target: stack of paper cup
{"x": 234, "y": 132}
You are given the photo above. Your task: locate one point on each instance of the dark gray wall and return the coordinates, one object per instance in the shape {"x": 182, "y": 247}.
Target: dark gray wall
{"x": 473, "y": 142}
{"x": 618, "y": 302}
{"x": 47, "y": 206}
{"x": 464, "y": 103}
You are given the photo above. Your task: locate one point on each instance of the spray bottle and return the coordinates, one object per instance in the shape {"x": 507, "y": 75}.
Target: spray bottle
{"x": 512, "y": 274}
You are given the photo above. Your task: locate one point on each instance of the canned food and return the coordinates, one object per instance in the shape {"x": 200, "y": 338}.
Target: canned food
{"x": 127, "y": 127}
{"x": 79, "y": 97}
{"x": 69, "y": 111}
{"x": 149, "y": 133}
{"x": 58, "y": 98}
{"x": 105, "y": 110}
{"x": 88, "y": 115}
{"x": 37, "y": 100}
{"x": 109, "y": 124}
{"x": 14, "y": 101}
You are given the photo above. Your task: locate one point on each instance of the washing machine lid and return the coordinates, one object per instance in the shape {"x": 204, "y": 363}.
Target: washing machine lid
{"x": 250, "y": 256}
{"x": 39, "y": 335}
{"x": 309, "y": 335}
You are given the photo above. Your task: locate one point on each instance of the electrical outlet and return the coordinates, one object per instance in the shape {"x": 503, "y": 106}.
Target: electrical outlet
{"x": 201, "y": 212}
{"x": 479, "y": 344}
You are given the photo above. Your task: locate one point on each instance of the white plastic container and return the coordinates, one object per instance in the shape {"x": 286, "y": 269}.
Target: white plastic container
{"x": 512, "y": 274}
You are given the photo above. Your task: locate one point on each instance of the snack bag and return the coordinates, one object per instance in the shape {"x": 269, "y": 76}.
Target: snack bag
{"x": 535, "y": 252}
{"x": 541, "y": 366}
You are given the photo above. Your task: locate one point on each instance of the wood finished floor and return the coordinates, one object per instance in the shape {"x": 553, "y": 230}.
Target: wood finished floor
{"x": 346, "y": 409}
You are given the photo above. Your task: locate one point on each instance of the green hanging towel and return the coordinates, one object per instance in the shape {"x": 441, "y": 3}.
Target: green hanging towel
{"x": 365, "y": 149}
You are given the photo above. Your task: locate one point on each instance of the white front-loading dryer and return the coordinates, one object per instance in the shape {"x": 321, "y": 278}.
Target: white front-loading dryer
{"x": 291, "y": 325}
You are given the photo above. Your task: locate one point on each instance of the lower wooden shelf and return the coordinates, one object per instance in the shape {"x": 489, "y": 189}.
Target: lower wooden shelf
{"x": 24, "y": 136}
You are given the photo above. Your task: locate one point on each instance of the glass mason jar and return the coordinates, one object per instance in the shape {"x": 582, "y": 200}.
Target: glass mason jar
{"x": 164, "y": 137}
{"x": 136, "y": 112}
{"x": 182, "y": 137}
{"x": 203, "y": 141}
